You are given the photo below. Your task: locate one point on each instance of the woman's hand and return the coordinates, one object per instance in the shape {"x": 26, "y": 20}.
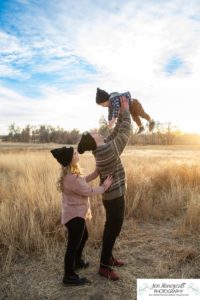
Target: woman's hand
{"x": 107, "y": 183}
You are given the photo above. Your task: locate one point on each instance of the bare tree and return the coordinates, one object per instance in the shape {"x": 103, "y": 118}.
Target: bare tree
{"x": 103, "y": 127}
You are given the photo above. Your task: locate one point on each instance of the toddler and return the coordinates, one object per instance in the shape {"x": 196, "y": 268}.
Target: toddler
{"x": 112, "y": 101}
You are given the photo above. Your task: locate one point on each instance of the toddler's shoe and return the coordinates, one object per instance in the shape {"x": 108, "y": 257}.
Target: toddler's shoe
{"x": 151, "y": 125}
{"x": 141, "y": 129}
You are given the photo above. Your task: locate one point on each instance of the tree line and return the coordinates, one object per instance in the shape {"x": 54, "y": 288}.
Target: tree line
{"x": 41, "y": 134}
{"x": 164, "y": 134}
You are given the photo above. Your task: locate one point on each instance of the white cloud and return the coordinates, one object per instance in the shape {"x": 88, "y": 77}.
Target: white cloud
{"x": 129, "y": 45}
{"x": 13, "y": 49}
{"x": 12, "y": 52}
{"x": 132, "y": 53}
{"x": 56, "y": 108}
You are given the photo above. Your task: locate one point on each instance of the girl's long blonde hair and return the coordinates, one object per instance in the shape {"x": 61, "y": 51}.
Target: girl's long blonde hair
{"x": 70, "y": 169}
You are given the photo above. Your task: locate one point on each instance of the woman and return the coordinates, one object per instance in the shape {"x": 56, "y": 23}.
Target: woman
{"x": 75, "y": 210}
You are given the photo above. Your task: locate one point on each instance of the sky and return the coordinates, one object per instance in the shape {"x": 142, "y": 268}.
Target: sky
{"x": 55, "y": 53}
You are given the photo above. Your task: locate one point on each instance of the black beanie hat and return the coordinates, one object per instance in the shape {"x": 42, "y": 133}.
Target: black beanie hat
{"x": 101, "y": 96}
{"x": 63, "y": 155}
{"x": 86, "y": 143}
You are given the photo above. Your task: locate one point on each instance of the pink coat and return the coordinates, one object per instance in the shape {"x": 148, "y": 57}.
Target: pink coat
{"x": 75, "y": 201}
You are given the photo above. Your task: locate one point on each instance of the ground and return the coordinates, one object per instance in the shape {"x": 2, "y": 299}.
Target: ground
{"x": 150, "y": 249}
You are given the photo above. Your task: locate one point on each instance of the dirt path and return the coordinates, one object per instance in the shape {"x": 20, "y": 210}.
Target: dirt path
{"x": 151, "y": 250}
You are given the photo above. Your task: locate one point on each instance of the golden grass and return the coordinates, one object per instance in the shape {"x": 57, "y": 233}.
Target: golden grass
{"x": 29, "y": 201}
{"x": 161, "y": 190}
{"x": 161, "y": 184}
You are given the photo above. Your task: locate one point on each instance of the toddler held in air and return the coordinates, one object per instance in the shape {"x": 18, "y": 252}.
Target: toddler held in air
{"x": 112, "y": 101}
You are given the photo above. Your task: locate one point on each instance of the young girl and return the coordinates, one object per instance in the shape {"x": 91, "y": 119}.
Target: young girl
{"x": 112, "y": 101}
{"x": 75, "y": 210}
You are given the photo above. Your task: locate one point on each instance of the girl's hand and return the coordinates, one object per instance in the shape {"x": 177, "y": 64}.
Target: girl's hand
{"x": 107, "y": 183}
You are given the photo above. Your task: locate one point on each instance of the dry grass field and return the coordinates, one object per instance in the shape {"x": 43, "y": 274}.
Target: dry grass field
{"x": 160, "y": 236}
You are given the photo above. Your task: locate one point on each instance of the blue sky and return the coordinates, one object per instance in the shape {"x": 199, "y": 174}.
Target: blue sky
{"x": 54, "y": 54}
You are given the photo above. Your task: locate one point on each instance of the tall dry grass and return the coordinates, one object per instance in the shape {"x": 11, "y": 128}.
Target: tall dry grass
{"x": 29, "y": 202}
{"x": 160, "y": 185}
{"x": 163, "y": 190}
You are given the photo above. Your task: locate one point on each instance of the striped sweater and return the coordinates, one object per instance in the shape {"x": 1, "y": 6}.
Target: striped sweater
{"x": 108, "y": 159}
